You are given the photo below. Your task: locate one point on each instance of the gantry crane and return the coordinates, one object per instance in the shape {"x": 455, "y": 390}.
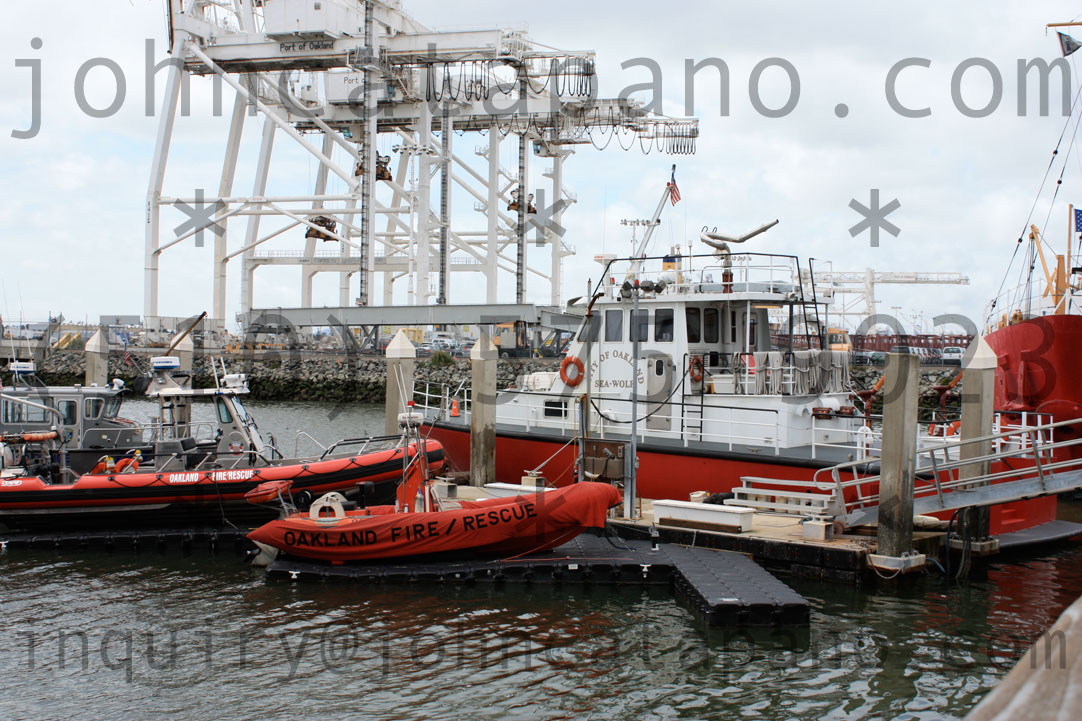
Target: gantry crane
{"x": 336, "y": 77}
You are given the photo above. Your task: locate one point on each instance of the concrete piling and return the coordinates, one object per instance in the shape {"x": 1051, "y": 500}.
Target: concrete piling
{"x": 483, "y": 361}
{"x": 185, "y": 351}
{"x": 899, "y": 455}
{"x": 97, "y": 360}
{"x": 978, "y": 417}
{"x": 401, "y": 362}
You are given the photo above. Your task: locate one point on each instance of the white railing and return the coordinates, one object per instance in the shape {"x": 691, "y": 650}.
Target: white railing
{"x": 938, "y": 475}
{"x": 151, "y": 433}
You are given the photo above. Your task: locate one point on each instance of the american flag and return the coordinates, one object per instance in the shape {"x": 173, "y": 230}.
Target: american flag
{"x": 1078, "y": 220}
{"x": 674, "y": 192}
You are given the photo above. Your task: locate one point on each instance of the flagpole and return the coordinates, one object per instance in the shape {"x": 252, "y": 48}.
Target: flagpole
{"x": 1072, "y": 24}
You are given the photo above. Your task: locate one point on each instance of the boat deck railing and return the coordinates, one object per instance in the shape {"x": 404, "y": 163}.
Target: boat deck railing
{"x": 149, "y": 434}
{"x": 757, "y": 273}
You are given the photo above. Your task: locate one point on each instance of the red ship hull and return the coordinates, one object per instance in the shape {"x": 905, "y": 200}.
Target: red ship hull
{"x": 1039, "y": 364}
{"x": 676, "y": 473}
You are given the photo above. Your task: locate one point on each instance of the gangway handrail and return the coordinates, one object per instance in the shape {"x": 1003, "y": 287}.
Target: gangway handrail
{"x": 1030, "y": 442}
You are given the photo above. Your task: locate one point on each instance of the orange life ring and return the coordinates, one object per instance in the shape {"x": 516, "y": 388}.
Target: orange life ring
{"x": 124, "y": 463}
{"x": 695, "y": 368}
{"x": 580, "y": 373}
{"x": 952, "y": 429}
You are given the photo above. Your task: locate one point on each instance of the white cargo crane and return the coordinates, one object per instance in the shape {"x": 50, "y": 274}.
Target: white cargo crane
{"x": 854, "y": 292}
{"x": 342, "y": 77}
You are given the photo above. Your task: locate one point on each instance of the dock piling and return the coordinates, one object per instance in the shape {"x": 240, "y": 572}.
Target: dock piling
{"x": 483, "y": 360}
{"x": 185, "y": 351}
{"x": 978, "y": 414}
{"x": 895, "y": 533}
{"x": 401, "y": 361}
{"x": 97, "y": 360}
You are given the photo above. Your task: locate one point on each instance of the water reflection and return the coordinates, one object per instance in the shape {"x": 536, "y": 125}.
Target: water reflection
{"x": 150, "y": 636}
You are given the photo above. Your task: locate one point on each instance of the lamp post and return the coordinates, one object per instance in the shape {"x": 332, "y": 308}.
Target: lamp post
{"x": 631, "y": 290}
{"x": 632, "y": 456}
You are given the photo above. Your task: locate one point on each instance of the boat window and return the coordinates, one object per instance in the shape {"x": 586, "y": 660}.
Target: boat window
{"x": 18, "y": 413}
{"x": 614, "y": 326}
{"x": 640, "y": 325}
{"x": 694, "y": 322}
{"x": 732, "y": 326}
{"x": 711, "y": 325}
{"x": 242, "y": 415}
{"x": 555, "y": 409}
{"x": 69, "y": 410}
{"x": 591, "y": 328}
{"x": 224, "y": 416}
{"x": 753, "y": 327}
{"x": 659, "y": 367}
{"x": 112, "y": 407}
{"x": 92, "y": 407}
{"x": 663, "y": 325}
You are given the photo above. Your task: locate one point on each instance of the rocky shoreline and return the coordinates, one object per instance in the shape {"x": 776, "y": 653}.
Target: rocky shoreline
{"x": 363, "y": 379}
{"x": 333, "y": 378}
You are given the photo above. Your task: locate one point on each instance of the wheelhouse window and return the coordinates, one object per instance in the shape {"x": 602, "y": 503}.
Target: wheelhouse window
{"x": 224, "y": 416}
{"x": 663, "y": 325}
{"x": 19, "y": 413}
{"x": 732, "y": 326}
{"x": 614, "y": 326}
{"x": 753, "y": 328}
{"x": 711, "y": 325}
{"x": 640, "y": 325}
{"x": 92, "y": 407}
{"x": 590, "y": 330}
{"x": 695, "y": 325}
{"x": 112, "y": 407}
{"x": 69, "y": 412}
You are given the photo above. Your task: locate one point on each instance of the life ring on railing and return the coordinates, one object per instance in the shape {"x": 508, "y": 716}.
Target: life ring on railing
{"x": 580, "y": 371}
{"x": 944, "y": 429}
{"x": 695, "y": 369}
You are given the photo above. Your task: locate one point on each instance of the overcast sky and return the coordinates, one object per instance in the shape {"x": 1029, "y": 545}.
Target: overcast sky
{"x": 72, "y": 215}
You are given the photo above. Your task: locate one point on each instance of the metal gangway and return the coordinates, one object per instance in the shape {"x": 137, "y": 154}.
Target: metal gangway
{"x": 1015, "y": 464}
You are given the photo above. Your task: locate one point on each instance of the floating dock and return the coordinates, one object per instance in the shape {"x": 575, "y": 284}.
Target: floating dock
{"x": 186, "y": 539}
{"x": 721, "y": 588}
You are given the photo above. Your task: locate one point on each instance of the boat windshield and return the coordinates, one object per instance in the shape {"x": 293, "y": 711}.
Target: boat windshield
{"x": 112, "y": 408}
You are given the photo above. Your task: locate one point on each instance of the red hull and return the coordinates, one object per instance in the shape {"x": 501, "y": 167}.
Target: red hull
{"x": 503, "y": 526}
{"x": 678, "y": 473}
{"x": 1038, "y": 370}
{"x": 90, "y": 491}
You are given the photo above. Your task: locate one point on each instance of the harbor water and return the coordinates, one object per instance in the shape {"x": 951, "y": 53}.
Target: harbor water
{"x": 202, "y": 636}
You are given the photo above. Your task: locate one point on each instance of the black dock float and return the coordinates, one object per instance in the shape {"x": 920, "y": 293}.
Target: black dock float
{"x": 721, "y": 588}
{"x": 211, "y": 538}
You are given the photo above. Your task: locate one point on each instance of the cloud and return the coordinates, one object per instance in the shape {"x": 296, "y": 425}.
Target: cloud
{"x": 965, "y": 184}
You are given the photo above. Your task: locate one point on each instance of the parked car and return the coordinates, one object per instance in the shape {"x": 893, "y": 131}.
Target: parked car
{"x": 952, "y": 356}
